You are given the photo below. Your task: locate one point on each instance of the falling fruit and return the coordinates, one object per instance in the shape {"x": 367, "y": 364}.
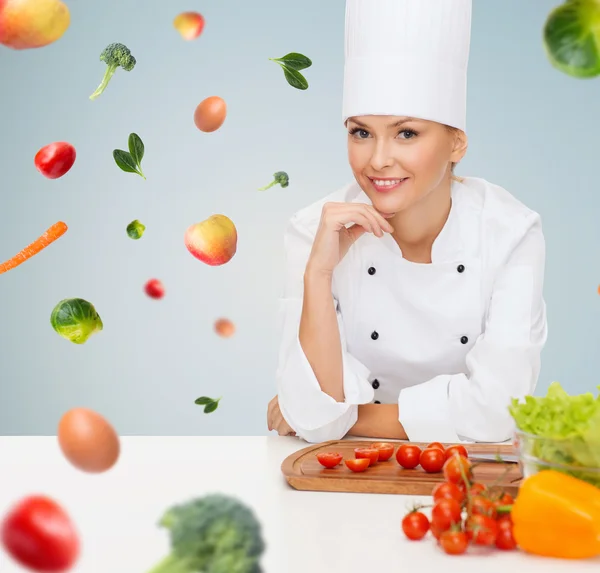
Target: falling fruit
{"x": 26, "y": 24}
{"x": 189, "y": 25}
{"x": 154, "y": 289}
{"x": 210, "y": 114}
{"x": 224, "y": 327}
{"x": 213, "y": 241}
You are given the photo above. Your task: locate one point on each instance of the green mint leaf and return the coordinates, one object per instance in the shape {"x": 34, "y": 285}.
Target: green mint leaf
{"x": 203, "y": 400}
{"x": 294, "y": 61}
{"x": 124, "y": 160}
{"x": 211, "y": 407}
{"x": 136, "y": 148}
{"x": 295, "y": 78}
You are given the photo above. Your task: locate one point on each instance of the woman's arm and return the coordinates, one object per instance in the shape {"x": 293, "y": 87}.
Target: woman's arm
{"x": 378, "y": 421}
{"x": 319, "y": 334}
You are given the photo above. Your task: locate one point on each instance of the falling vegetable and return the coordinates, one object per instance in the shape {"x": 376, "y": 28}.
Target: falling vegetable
{"x": 55, "y": 159}
{"x": 224, "y": 327}
{"x": 75, "y": 319}
{"x": 131, "y": 161}
{"x": 215, "y": 533}
{"x": 556, "y": 515}
{"x": 55, "y": 232}
{"x": 210, "y": 114}
{"x": 135, "y": 230}
{"x": 114, "y": 56}
{"x": 292, "y": 63}
{"x": 280, "y": 177}
{"x": 154, "y": 289}
{"x": 209, "y": 404}
{"x": 39, "y": 534}
{"x": 572, "y": 38}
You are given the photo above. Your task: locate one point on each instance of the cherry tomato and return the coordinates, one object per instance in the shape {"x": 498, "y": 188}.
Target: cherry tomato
{"x": 483, "y": 506}
{"x": 458, "y": 449}
{"x": 482, "y": 530}
{"x": 329, "y": 459}
{"x": 436, "y": 531}
{"x": 445, "y": 513}
{"x": 432, "y": 460}
{"x": 408, "y": 456}
{"x": 154, "y": 288}
{"x": 55, "y": 159}
{"x": 386, "y": 451}
{"x": 446, "y": 490}
{"x": 436, "y": 445}
{"x": 454, "y": 542}
{"x": 505, "y": 499}
{"x": 40, "y": 535}
{"x": 504, "y": 538}
{"x": 455, "y": 467}
{"x": 370, "y": 454}
{"x": 359, "y": 465}
{"x": 477, "y": 489}
{"x": 415, "y": 525}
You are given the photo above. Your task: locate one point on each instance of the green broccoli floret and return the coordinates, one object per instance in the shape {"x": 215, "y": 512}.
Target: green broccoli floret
{"x": 115, "y": 56}
{"x": 212, "y": 534}
{"x": 280, "y": 177}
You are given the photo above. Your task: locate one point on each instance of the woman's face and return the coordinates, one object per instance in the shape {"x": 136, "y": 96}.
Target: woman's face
{"x": 398, "y": 161}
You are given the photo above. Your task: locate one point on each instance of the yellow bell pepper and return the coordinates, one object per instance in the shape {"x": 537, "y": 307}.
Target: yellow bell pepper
{"x": 557, "y": 515}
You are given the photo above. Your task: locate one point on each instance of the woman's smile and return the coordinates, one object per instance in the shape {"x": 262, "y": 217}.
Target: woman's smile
{"x": 382, "y": 185}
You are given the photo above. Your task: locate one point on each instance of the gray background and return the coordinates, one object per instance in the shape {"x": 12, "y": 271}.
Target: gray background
{"x": 532, "y": 130}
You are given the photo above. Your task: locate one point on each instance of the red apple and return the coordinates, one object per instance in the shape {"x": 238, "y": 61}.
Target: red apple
{"x": 189, "y": 25}
{"x": 213, "y": 241}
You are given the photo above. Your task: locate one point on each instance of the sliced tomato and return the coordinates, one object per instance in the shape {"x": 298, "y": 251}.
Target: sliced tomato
{"x": 415, "y": 525}
{"x": 457, "y": 469}
{"x": 370, "y": 454}
{"x": 458, "y": 449}
{"x": 432, "y": 460}
{"x": 446, "y": 490}
{"x": 437, "y": 445}
{"x": 386, "y": 450}
{"x": 445, "y": 513}
{"x": 329, "y": 459}
{"x": 482, "y": 530}
{"x": 357, "y": 465}
{"x": 408, "y": 456}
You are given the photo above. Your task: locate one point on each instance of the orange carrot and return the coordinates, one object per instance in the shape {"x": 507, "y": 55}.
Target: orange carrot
{"x": 55, "y": 232}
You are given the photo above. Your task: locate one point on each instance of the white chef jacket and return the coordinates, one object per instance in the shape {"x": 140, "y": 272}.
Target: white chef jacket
{"x": 451, "y": 341}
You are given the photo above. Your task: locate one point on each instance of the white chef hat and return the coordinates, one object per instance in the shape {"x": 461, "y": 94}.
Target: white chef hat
{"x": 407, "y": 58}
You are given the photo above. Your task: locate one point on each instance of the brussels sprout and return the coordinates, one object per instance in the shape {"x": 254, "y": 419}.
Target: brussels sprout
{"x": 135, "y": 229}
{"x": 75, "y": 319}
{"x": 572, "y": 38}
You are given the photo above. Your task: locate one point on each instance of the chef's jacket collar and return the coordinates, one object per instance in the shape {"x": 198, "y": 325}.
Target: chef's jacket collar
{"x": 458, "y": 237}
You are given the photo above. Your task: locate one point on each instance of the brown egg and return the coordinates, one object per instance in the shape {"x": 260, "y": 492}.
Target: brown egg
{"x": 210, "y": 114}
{"x": 224, "y": 327}
{"x": 88, "y": 440}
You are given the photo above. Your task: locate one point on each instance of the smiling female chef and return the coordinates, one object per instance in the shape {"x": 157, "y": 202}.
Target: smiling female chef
{"x": 412, "y": 306}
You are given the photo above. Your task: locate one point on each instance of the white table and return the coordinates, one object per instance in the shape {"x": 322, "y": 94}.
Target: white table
{"x": 306, "y": 532}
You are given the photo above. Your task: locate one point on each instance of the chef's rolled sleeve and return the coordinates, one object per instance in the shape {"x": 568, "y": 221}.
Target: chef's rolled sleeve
{"x": 313, "y": 415}
{"x": 504, "y": 362}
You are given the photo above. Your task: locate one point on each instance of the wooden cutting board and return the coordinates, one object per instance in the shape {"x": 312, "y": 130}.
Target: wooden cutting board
{"x": 303, "y": 471}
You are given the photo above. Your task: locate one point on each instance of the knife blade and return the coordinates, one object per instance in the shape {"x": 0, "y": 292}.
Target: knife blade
{"x": 499, "y": 458}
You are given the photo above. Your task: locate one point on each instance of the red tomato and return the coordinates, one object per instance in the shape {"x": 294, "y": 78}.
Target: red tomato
{"x": 436, "y": 445}
{"x": 154, "y": 289}
{"x": 483, "y": 506}
{"x": 55, "y": 159}
{"x": 329, "y": 459}
{"x": 505, "y": 499}
{"x": 445, "y": 513}
{"x": 482, "y": 530}
{"x": 432, "y": 460}
{"x": 408, "y": 456}
{"x": 446, "y": 490}
{"x": 370, "y": 454}
{"x": 456, "y": 467}
{"x": 359, "y": 465}
{"x": 415, "y": 525}
{"x": 504, "y": 538}
{"x": 477, "y": 489}
{"x": 40, "y": 535}
{"x": 436, "y": 531}
{"x": 461, "y": 450}
{"x": 386, "y": 451}
{"x": 454, "y": 542}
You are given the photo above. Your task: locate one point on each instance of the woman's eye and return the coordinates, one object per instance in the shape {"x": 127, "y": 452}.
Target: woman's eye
{"x": 408, "y": 133}
{"x": 360, "y": 133}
